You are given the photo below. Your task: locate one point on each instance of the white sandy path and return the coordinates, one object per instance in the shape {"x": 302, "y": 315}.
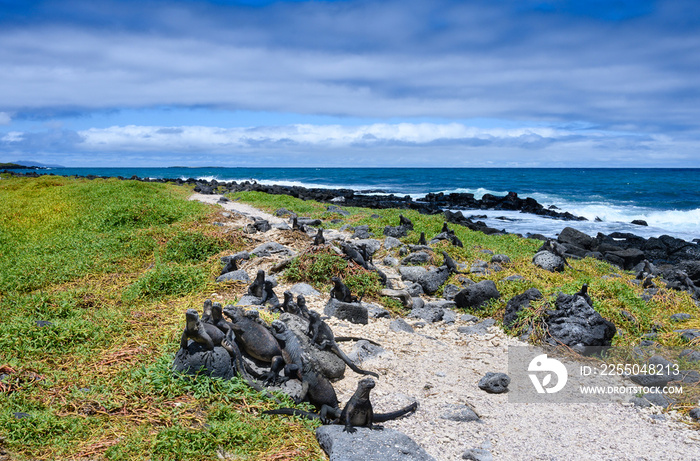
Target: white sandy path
{"x": 444, "y": 371}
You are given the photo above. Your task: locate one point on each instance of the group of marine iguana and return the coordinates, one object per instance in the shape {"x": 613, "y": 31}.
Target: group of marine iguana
{"x": 241, "y": 331}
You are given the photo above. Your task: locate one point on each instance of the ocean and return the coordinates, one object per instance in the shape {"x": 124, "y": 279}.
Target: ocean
{"x": 667, "y": 199}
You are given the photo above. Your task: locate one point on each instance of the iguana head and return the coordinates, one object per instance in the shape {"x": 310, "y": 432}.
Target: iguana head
{"x": 278, "y": 326}
{"x": 216, "y": 311}
{"x": 233, "y": 312}
{"x": 192, "y": 317}
{"x": 206, "y": 309}
{"x": 364, "y": 387}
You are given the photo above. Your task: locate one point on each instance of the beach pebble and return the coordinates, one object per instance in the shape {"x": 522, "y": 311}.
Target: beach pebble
{"x": 494, "y": 383}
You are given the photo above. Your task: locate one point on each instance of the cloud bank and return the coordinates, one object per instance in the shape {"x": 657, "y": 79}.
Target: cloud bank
{"x": 628, "y": 71}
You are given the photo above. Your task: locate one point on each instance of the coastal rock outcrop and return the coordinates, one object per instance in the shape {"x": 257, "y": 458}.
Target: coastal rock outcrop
{"x": 576, "y": 324}
{"x": 476, "y": 295}
{"x": 369, "y": 445}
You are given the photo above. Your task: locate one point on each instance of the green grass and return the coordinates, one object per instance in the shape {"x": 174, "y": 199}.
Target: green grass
{"x": 317, "y": 266}
{"x": 111, "y": 266}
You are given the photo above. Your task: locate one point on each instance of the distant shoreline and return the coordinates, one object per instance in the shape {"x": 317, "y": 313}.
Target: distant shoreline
{"x": 15, "y": 166}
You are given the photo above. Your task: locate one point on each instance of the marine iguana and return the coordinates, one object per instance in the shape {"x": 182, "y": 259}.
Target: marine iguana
{"x": 358, "y": 411}
{"x": 269, "y": 296}
{"x": 404, "y": 221}
{"x": 421, "y": 240}
{"x": 584, "y": 294}
{"x": 291, "y": 351}
{"x": 363, "y": 258}
{"x": 199, "y": 332}
{"x": 297, "y": 226}
{"x": 456, "y": 241}
{"x": 366, "y": 254}
{"x": 229, "y": 343}
{"x": 217, "y": 318}
{"x": 303, "y": 308}
{"x": 353, "y": 254}
{"x": 315, "y": 389}
{"x": 254, "y": 337}
{"x": 451, "y": 264}
{"x": 257, "y": 288}
{"x": 288, "y": 305}
{"x": 319, "y": 239}
{"x": 341, "y": 292}
{"x": 230, "y": 266}
{"x": 206, "y": 311}
{"x": 322, "y": 337}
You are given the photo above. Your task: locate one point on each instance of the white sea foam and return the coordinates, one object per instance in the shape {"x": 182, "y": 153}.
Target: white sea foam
{"x": 602, "y": 216}
{"x": 676, "y": 223}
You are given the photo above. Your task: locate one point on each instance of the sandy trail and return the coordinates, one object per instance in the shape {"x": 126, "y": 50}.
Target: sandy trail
{"x": 440, "y": 367}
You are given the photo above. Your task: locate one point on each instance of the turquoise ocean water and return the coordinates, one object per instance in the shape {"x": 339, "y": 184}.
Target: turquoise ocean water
{"x": 668, "y": 199}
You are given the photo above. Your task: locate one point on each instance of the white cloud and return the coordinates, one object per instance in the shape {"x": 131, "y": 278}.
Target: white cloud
{"x": 13, "y": 136}
{"x": 190, "y": 138}
{"x": 487, "y": 61}
{"x": 5, "y": 118}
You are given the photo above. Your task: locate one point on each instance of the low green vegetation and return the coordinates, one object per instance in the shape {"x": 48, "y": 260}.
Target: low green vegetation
{"x": 94, "y": 279}
{"x": 317, "y": 265}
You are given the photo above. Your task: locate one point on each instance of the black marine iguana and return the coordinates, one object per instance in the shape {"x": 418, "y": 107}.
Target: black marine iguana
{"x": 288, "y": 305}
{"x": 584, "y": 294}
{"x": 199, "y": 332}
{"x": 303, "y": 308}
{"x": 315, "y": 389}
{"x": 229, "y": 343}
{"x": 358, "y": 412}
{"x": 253, "y": 336}
{"x": 341, "y": 292}
{"x": 322, "y": 337}
{"x": 451, "y": 264}
{"x": 216, "y": 318}
{"x": 230, "y": 266}
{"x": 319, "y": 239}
{"x": 291, "y": 350}
{"x": 270, "y": 297}
{"x": 257, "y": 288}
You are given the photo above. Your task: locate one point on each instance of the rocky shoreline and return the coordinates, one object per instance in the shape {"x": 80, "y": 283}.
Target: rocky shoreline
{"x": 452, "y": 364}
{"x": 668, "y": 255}
{"x": 429, "y": 204}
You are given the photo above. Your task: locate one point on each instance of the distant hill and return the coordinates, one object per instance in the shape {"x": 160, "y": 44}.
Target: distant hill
{"x": 28, "y": 164}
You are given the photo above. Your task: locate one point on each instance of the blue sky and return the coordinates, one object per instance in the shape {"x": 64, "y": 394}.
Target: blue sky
{"x": 521, "y": 83}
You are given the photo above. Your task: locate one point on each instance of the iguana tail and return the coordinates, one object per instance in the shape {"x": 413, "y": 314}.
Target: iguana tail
{"x": 336, "y": 350}
{"x": 355, "y": 338}
{"x": 382, "y": 417}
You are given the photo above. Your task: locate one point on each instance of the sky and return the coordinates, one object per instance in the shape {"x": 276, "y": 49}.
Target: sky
{"x": 407, "y": 83}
